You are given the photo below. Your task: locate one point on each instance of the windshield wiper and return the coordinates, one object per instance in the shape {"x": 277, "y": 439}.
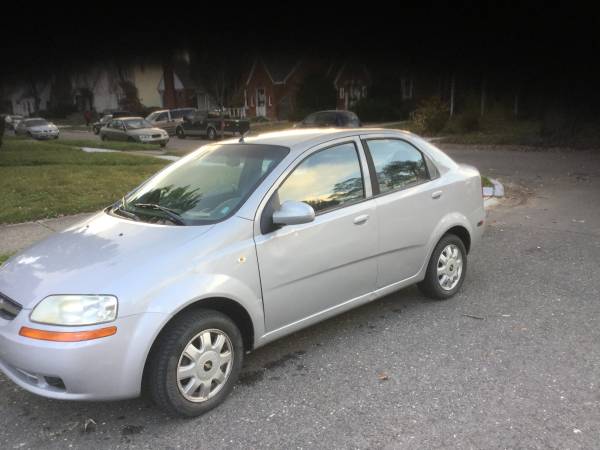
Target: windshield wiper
{"x": 172, "y": 215}
{"x": 120, "y": 209}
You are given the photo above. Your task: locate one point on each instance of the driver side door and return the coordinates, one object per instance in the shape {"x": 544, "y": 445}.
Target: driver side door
{"x": 308, "y": 271}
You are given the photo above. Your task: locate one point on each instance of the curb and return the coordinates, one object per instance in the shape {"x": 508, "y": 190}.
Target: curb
{"x": 495, "y": 191}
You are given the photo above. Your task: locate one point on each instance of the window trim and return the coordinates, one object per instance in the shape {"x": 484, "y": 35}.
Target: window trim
{"x": 373, "y": 172}
{"x": 263, "y": 207}
{"x": 362, "y": 175}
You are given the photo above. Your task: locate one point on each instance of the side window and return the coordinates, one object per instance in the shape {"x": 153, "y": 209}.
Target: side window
{"x": 176, "y": 114}
{"x": 397, "y": 164}
{"x": 161, "y": 117}
{"x": 327, "y": 179}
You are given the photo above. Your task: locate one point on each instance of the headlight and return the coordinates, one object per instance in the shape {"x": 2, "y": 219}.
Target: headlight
{"x": 76, "y": 310}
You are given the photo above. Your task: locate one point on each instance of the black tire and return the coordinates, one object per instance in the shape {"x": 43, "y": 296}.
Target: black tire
{"x": 180, "y": 133}
{"x": 163, "y": 363}
{"x": 211, "y": 134}
{"x": 163, "y": 144}
{"x": 103, "y": 137}
{"x": 431, "y": 286}
{"x": 96, "y": 130}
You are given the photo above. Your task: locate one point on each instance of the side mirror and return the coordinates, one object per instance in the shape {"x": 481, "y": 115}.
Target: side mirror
{"x": 293, "y": 213}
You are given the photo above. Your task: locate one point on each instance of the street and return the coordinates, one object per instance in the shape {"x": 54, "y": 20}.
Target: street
{"x": 513, "y": 361}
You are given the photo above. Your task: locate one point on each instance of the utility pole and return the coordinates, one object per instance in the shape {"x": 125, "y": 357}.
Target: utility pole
{"x": 452, "y": 89}
{"x": 482, "y": 111}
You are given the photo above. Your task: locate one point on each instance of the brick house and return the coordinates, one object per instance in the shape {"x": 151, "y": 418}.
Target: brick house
{"x": 270, "y": 87}
{"x": 352, "y": 82}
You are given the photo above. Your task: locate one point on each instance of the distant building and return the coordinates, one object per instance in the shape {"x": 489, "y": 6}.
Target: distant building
{"x": 352, "y": 82}
{"x": 270, "y": 87}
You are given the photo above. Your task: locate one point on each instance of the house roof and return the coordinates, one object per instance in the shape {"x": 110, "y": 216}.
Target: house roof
{"x": 279, "y": 70}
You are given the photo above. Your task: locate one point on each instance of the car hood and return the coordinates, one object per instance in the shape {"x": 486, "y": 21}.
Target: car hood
{"x": 140, "y": 131}
{"x": 43, "y": 128}
{"x": 90, "y": 258}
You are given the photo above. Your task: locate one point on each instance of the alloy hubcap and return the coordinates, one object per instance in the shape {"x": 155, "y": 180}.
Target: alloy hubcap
{"x": 449, "y": 267}
{"x": 205, "y": 365}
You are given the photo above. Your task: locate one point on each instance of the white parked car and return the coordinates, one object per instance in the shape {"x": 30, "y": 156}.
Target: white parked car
{"x": 37, "y": 128}
{"x": 229, "y": 248}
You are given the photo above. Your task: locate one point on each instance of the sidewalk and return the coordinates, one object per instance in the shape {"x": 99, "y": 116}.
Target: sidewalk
{"x": 15, "y": 237}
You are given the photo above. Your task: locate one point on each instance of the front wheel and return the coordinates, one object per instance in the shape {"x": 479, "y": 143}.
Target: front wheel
{"x": 446, "y": 269}
{"x": 211, "y": 134}
{"x": 196, "y": 363}
{"x": 180, "y": 133}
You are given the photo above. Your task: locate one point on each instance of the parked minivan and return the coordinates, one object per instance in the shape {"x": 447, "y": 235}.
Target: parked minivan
{"x": 233, "y": 246}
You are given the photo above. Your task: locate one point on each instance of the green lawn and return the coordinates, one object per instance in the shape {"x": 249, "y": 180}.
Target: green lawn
{"x": 49, "y": 179}
{"x": 486, "y": 182}
{"x": 4, "y": 258}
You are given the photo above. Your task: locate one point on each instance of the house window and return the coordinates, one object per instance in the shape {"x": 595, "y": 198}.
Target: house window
{"x": 342, "y": 93}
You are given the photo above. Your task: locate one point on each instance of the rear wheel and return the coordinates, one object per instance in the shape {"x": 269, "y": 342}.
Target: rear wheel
{"x": 195, "y": 363}
{"x": 180, "y": 133}
{"x": 446, "y": 269}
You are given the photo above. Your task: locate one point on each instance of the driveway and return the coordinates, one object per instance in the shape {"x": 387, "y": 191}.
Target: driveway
{"x": 512, "y": 361}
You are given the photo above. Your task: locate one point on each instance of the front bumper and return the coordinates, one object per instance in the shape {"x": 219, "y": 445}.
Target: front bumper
{"x": 108, "y": 368}
{"x": 46, "y": 135}
{"x": 160, "y": 140}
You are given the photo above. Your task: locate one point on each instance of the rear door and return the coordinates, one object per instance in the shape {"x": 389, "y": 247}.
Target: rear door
{"x": 311, "y": 268}
{"x": 409, "y": 198}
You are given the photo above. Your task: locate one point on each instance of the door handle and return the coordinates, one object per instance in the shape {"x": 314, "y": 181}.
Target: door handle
{"x": 436, "y": 194}
{"x": 361, "y": 219}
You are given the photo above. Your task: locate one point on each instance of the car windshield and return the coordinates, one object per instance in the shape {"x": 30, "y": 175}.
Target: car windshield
{"x": 136, "y": 124}
{"x": 205, "y": 187}
{"x": 36, "y": 122}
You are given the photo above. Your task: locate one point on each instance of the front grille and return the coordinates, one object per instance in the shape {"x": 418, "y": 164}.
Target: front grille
{"x": 156, "y": 135}
{"x": 8, "y": 308}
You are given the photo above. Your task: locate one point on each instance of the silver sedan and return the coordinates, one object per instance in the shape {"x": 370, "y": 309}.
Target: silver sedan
{"x": 133, "y": 129}
{"x": 232, "y": 247}
{"x": 37, "y": 128}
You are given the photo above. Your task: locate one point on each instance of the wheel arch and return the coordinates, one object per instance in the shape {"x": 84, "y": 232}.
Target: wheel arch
{"x": 462, "y": 233}
{"x": 231, "y": 308}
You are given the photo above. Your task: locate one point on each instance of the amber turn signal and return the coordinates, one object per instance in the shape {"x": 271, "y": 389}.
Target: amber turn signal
{"x": 67, "y": 336}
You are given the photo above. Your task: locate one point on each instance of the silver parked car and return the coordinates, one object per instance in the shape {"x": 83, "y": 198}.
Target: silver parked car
{"x": 37, "y": 128}
{"x": 133, "y": 129}
{"x": 231, "y": 247}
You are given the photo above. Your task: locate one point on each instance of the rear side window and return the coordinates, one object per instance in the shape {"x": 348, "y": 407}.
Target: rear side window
{"x": 398, "y": 164}
{"x": 326, "y": 180}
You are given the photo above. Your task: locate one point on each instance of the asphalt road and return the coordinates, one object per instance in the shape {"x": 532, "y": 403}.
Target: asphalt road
{"x": 513, "y": 361}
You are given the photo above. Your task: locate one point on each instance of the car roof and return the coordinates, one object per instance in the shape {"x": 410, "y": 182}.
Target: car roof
{"x": 299, "y": 139}
{"x": 129, "y": 118}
